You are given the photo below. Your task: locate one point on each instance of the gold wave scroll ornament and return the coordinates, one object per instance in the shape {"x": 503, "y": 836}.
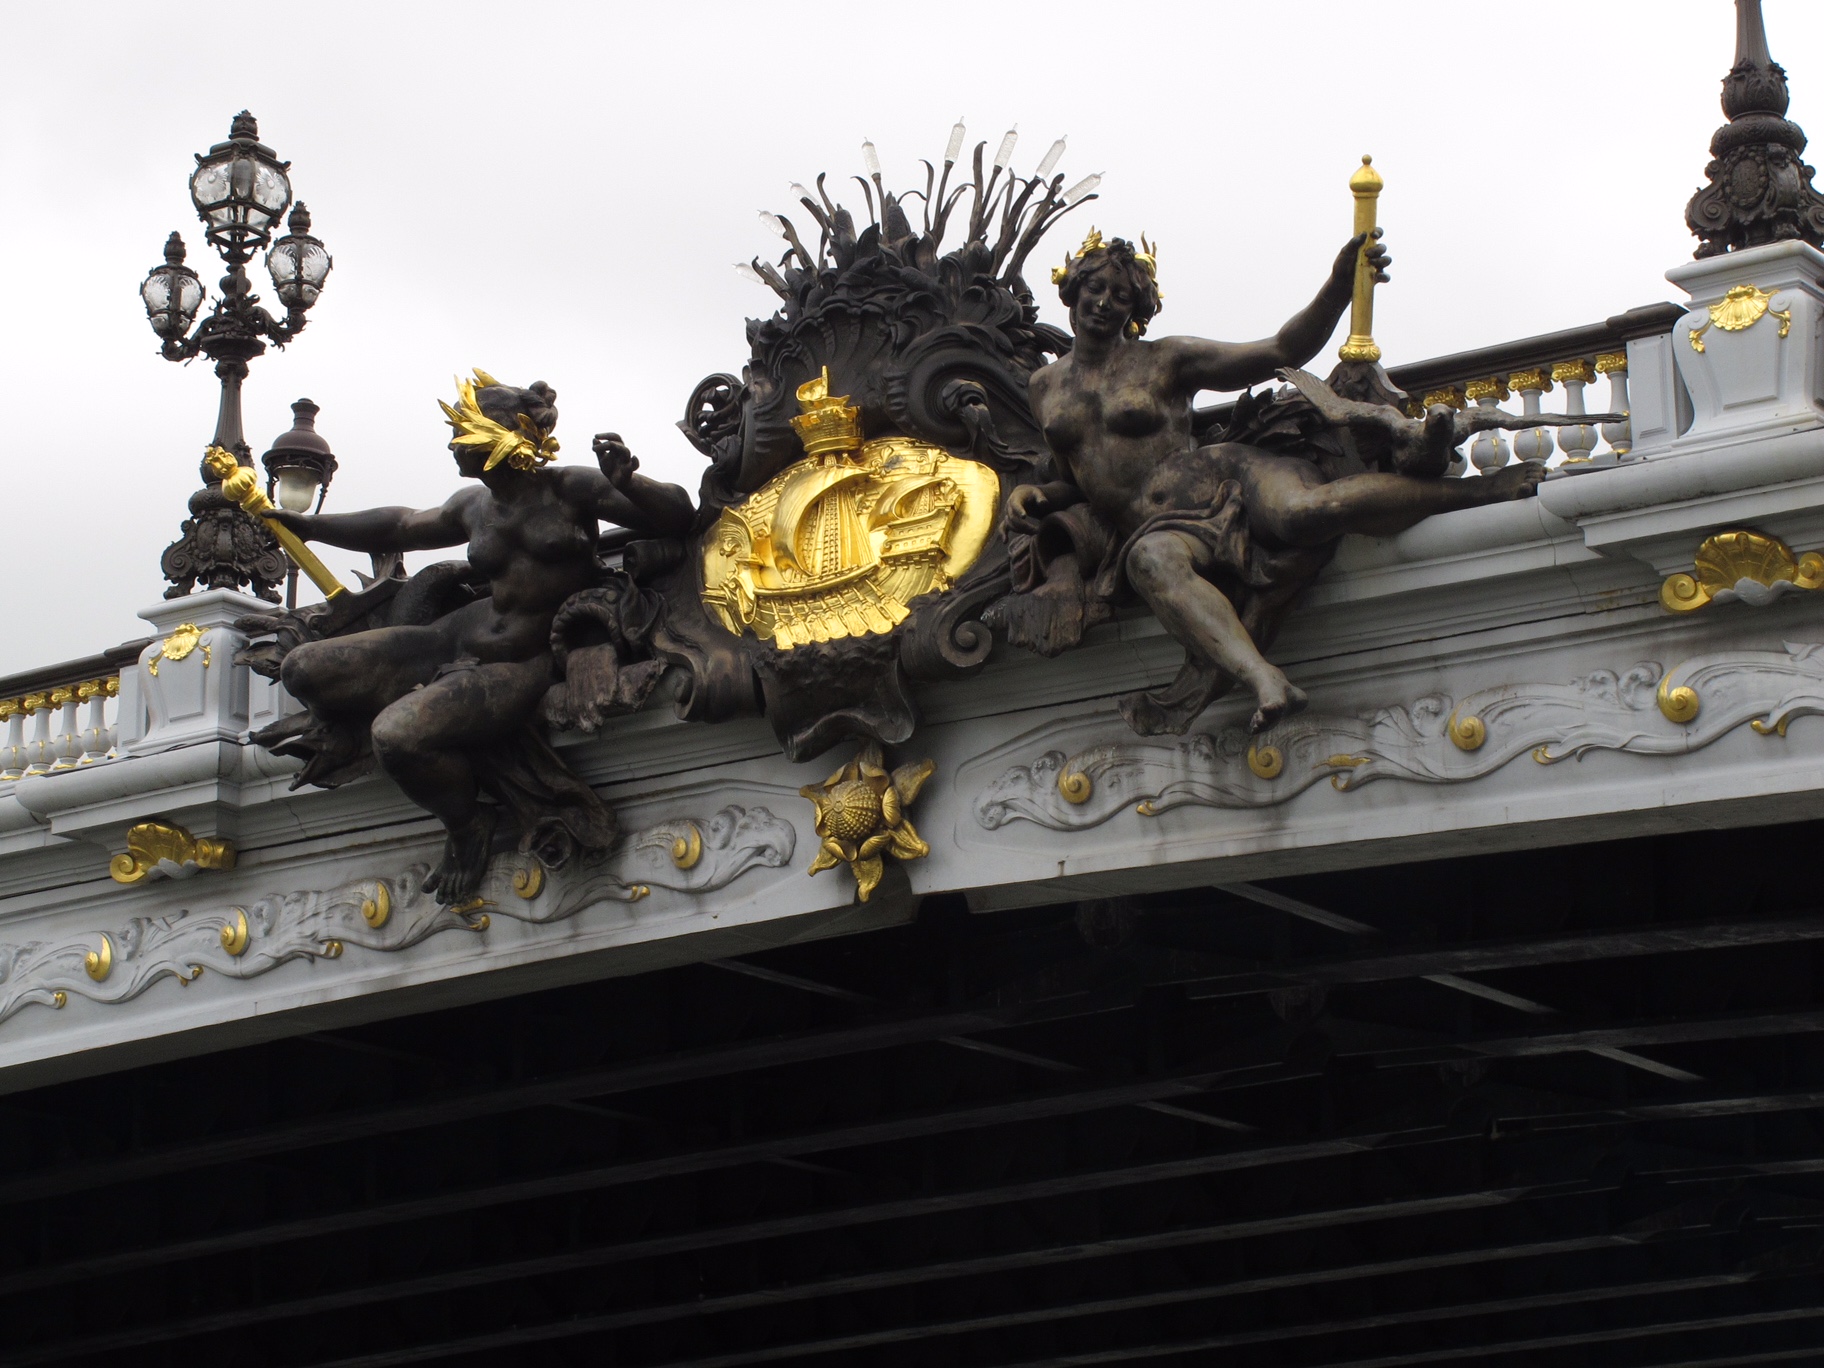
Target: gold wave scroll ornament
{"x": 840, "y": 543}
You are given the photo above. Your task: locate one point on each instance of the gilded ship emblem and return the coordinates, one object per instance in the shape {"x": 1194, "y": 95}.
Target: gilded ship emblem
{"x": 840, "y": 543}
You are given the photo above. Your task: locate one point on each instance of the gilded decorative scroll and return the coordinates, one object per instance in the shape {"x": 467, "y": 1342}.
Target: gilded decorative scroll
{"x": 1643, "y": 710}
{"x": 385, "y": 915}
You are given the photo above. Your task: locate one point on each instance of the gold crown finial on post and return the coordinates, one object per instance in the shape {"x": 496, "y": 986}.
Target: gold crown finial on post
{"x": 1365, "y": 185}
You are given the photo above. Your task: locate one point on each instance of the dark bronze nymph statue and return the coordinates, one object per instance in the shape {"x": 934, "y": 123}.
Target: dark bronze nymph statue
{"x": 447, "y": 692}
{"x": 1216, "y": 538}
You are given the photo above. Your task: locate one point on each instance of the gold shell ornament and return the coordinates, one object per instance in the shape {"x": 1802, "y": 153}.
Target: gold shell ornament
{"x": 1742, "y": 564}
{"x": 150, "y": 842}
{"x": 1741, "y": 308}
{"x": 183, "y": 640}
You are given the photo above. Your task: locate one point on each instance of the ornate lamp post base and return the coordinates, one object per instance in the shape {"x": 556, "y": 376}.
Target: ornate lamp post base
{"x": 222, "y": 548}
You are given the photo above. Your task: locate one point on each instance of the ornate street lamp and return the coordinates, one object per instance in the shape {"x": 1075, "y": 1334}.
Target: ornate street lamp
{"x": 241, "y": 190}
{"x": 299, "y": 467}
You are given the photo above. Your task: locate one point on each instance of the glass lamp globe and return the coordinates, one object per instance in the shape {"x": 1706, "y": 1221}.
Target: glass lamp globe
{"x": 172, "y": 293}
{"x": 240, "y": 190}
{"x": 298, "y": 263}
{"x": 300, "y": 464}
{"x": 297, "y": 489}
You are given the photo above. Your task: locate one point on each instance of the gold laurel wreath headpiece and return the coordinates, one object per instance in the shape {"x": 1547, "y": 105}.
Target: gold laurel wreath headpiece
{"x": 1147, "y": 256}
{"x": 525, "y": 449}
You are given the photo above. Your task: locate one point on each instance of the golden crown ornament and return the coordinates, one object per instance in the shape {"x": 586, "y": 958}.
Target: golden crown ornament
{"x": 828, "y": 423}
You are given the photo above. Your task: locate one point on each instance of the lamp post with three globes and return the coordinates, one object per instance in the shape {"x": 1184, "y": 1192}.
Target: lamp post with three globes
{"x": 241, "y": 190}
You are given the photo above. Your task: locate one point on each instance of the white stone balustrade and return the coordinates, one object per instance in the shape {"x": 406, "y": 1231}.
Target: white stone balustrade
{"x": 1488, "y": 450}
{"x": 1582, "y": 446}
{"x": 1534, "y": 444}
{"x": 59, "y": 728}
{"x": 1619, "y": 436}
{"x": 1578, "y": 442}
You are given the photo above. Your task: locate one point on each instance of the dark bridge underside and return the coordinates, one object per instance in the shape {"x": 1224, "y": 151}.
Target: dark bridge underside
{"x": 1552, "y": 1109}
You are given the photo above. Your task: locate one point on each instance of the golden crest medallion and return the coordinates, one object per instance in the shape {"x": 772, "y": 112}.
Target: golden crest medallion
{"x": 839, "y": 544}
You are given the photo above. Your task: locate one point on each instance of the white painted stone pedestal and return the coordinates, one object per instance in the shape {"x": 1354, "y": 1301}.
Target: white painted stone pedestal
{"x": 1748, "y": 350}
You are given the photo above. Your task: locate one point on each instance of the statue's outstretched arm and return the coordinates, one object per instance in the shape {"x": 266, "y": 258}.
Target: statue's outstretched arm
{"x": 1199, "y": 364}
{"x": 624, "y": 497}
{"x": 387, "y": 529}
{"x": 1481, "y": 420}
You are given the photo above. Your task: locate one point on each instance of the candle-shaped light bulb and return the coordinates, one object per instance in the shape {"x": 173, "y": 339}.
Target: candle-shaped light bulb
{"x": 747, "y": 272}
{"x": 870, "y": 158}
{"x": 1005, "y": 155}
{"x": 799, "y": 192}
{"x": 1082, "y": 189}
{"x": 772, "y": 223}
{"x": 1051, "y": 160}
{"x": 957, "y": 134}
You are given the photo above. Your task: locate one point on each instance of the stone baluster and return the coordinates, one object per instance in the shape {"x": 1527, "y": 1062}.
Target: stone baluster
{"x": 1488, "y": 451}
{"x": 38, "y": 753}
{"x": 12, "y": 750}
{"x": 98, "y": 736}
{"x": 66, "y": 741}
{"x": 1579, "y": 441}
{"x": 1451, "y": 397}
{"x": 1533, "y": 444}
{"x": 1619, "y": 436}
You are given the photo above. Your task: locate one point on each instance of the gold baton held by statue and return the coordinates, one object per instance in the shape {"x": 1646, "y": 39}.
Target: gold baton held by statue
{"x": 1365, "y": 185}
{"x": 241, "y": 486}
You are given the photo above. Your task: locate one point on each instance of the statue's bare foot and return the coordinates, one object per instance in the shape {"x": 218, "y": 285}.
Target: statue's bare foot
{"x": 1279, "y": 699}
{"x": 465, "y": 859}
{"x": 1519, "y": 481}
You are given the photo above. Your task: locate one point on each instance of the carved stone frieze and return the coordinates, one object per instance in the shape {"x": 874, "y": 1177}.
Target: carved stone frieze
{"x": 387, "y": 914}
{"x": 1642, "y": 710}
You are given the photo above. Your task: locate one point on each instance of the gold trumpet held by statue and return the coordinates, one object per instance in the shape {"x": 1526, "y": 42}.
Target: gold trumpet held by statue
{"x": 241, "y": 486}
{"x": 1365, "y": 185}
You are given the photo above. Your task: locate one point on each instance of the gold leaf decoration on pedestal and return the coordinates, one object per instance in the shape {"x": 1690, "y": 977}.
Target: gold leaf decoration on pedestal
{"x": 184, "y": 639}
{"x": 861, "y": 816}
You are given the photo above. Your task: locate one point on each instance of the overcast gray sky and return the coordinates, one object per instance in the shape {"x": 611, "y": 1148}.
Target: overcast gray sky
{"x": 556, "y": 191}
